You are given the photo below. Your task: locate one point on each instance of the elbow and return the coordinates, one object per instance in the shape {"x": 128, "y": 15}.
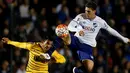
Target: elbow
{"x": 63, "y": 60}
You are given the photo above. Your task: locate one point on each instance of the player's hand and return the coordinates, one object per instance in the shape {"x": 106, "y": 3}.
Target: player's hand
{"x": 81, "y": 33}
{"x": 129, "y": 41}
{"x": 45, "y": 56}
{"x": 5, "y": 40}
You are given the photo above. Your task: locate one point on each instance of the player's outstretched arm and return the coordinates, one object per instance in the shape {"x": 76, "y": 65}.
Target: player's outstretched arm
{"x": 113, "y": 32}
{"x": 23, "y": 45}
{"x": 116, "y": 34}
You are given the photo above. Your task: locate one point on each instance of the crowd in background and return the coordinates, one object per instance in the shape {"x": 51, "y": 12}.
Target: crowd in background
{"x": 35, "y": 20}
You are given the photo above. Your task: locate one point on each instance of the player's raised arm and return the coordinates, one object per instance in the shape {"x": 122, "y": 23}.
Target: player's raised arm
{"x": 56, "y": 44}
{"x": 23, "y": 45}
{"x": 114, "y": 32}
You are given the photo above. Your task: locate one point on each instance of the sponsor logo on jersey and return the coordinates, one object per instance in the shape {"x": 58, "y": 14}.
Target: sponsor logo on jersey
{"x": 89, "y": 28}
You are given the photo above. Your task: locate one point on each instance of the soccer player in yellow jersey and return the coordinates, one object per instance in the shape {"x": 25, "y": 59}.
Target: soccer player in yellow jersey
{"x": 36, "y": 63}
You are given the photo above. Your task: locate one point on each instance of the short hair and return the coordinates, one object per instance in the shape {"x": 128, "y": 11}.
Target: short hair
{"x": 91, "y": 4}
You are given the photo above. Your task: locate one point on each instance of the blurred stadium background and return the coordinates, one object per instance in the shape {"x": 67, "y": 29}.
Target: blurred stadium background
{"x": 35, "y": 20}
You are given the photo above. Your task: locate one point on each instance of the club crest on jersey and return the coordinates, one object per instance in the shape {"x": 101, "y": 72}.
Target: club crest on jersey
{"x": 95, "y": 25}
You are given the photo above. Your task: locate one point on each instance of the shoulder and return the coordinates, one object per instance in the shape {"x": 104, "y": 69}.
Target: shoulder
{"x": 34, "y": 44}
{"x": 100, "y": 20}
{"x": 80, "y": 16}
{"x": 83, "y": 15}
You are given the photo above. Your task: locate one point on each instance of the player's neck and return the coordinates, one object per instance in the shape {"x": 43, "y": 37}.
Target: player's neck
{"x": 93, "y": 17}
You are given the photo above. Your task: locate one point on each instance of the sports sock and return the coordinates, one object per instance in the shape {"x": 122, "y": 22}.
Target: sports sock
{"x": 80, "y": 69}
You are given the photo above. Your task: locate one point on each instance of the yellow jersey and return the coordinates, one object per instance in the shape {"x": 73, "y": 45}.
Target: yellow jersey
{"x": 35, "y": 65}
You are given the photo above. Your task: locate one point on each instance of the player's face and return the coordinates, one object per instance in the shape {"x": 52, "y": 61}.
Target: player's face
{"x": 89, "y": 12}
{"x": 46, "y": 45}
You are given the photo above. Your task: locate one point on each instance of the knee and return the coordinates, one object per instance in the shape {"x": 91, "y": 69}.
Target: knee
{"x": 88, "y": 64}
{"x": 89, "y": 70}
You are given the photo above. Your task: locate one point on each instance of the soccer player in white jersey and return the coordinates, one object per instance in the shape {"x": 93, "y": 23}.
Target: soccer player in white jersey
{"x": 87, "y": 25}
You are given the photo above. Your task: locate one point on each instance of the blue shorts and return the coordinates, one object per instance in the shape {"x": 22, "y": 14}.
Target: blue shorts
{"x": 83, "y": 55}
{"x": 83, "y": 51}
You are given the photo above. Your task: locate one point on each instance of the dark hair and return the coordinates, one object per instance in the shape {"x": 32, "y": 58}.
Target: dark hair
{"x": 91, "y": 4}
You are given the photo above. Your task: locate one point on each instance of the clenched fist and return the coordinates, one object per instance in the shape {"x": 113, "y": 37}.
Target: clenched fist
{"x": 81, "y": 33}
{"x": 5, "y": 40}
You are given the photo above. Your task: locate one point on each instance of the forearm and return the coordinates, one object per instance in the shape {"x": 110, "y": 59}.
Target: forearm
{"x": 51, "y": 50}
{"x": 60, "y": 60}
{"x": 19, "y": 44}
{"x": 115, "y": 33}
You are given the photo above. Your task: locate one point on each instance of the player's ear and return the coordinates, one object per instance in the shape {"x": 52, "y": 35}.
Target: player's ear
{"x": 50, "y": 42}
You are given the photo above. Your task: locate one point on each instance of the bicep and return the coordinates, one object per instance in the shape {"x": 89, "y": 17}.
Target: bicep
{"x": 104, "y": 25}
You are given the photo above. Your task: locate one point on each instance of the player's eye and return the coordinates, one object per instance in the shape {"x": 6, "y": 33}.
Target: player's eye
{"x": 88, "y": 11}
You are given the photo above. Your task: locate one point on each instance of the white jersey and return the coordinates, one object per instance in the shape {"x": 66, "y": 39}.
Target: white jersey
{"x": 91, "y": 29}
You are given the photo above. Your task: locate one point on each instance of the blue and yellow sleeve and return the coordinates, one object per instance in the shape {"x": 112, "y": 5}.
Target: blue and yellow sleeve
{"x": 56, "y": 44}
